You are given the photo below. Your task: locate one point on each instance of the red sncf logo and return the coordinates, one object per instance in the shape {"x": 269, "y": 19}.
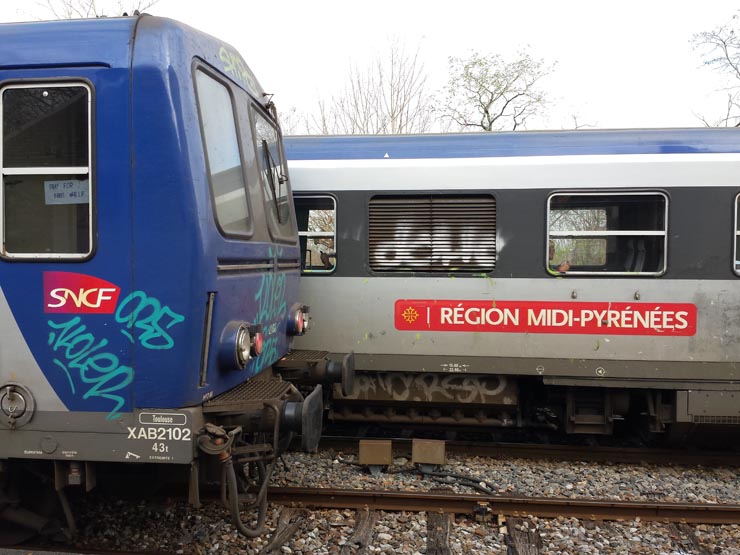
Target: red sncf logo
{"x": 67, "y": 292}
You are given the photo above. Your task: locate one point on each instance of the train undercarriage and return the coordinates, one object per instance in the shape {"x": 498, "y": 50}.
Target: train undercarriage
{"x": 524, "y": 402}
{"x": 238, "y": 438}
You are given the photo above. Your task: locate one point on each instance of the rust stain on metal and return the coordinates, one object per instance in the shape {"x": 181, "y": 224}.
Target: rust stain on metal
{"x": 536, "y": 506}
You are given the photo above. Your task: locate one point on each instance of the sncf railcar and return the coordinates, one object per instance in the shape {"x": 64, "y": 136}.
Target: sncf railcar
{"x": 150, "y": 261}
{"x": 569, "y": 280}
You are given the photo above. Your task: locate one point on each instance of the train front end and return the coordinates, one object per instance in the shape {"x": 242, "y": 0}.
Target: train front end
{"x": 150, "y": 262}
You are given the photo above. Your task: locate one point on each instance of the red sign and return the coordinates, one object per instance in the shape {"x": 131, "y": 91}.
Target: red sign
{"x": 67, "y": 292}
{"x": 677, "y": 319}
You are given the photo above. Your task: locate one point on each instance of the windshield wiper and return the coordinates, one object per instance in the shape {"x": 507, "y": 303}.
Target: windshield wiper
{"x": 272, "y": 167}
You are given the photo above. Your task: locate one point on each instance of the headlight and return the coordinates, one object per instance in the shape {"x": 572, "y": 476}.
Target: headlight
{"x": 243, "y": 345}
{"x": 298, "y": 320}
{"x": 240, "y": 342}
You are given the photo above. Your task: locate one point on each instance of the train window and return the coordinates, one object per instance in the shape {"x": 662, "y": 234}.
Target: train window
{"x": 437, "y": 233}
{"x": 46, "y": 169}
{"x": 274, "y": 178}
{"x": 607, "y": 233}
{"x": 317, "y": 233}
{"x": 224, "y": 160}
{"x": 737, "y": 234}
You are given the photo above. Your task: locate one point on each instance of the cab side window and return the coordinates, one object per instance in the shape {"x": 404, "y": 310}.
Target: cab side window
{"x": 46, "y": 170}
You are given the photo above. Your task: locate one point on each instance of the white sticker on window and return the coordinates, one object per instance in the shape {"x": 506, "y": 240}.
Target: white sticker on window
{"x": 67, "y": 191}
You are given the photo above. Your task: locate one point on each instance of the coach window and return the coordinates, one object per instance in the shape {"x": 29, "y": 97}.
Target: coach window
{"x": 316, "y": 218}
{"x": 436, "y": 233}
{"x": 737, "y": 235}
{"x": 607, "y": 233}
{"x": 45, "y": 162}
{"x": 274, "y": 178}
{"x": 222, "y": 151}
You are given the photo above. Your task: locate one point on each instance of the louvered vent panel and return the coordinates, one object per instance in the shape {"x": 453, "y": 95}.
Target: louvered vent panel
{"x": 433, "y": 234}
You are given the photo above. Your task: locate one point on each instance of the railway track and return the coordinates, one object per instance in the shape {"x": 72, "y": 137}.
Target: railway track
{"x": 484, "y": 506}
{"x": 584, "y": 453}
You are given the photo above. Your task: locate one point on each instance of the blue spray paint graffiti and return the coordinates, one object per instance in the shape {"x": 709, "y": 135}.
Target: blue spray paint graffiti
{"x": 147, "y": 317}
{"x": 101, "y": 371}
{"x": 272, "y": 306}
{"x": 81, "y": 354}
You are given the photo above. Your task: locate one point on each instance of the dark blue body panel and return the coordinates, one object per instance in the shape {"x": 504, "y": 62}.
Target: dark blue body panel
{"x": 525, "y": 143}
{"x": 154, "y": 234}
{"x": 102, "y": 381}
{"x": 67, "y": 44}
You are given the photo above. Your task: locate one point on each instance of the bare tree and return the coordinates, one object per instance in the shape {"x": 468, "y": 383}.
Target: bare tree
{"x": 324, "y": 122}
{"x": 74, "y": 9}
{"x": 490, "y": 93}
{"x": 322, "y": 220}
{"x": 293, "y": 122}
{"x": 730, "y": 116}
{"x": 722, "y": 53}
{"x": 579, "y": 125}
{"x": 389, "y": 97}
{"x": 578, "y": 251}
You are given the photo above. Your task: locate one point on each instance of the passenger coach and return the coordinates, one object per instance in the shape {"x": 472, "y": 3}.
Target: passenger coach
{"x": 566, "y": 280}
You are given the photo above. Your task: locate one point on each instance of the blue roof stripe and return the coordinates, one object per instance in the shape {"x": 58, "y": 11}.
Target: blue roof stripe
{"x": 527, "y": 143}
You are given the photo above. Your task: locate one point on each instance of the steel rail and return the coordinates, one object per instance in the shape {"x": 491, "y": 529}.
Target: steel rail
{"x": 591, "y": 509}
{"x": 624, "y": 455}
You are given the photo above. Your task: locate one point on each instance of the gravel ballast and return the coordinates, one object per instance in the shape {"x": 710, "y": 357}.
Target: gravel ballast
{"x": 169, "y": 526}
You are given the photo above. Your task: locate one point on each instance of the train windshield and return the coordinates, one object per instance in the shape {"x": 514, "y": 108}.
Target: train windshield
{"x": 45, "y": 160}
{"x": 224, "y": 159}
{"x": 274, "y": 179}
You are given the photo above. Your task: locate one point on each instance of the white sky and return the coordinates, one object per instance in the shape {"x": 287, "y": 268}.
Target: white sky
{"x": 619, "y": 64}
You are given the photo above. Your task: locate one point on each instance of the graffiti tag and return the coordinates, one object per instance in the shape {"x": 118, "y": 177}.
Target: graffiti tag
{"x": 147, "y": 321}
{"x": 234, "y": 65}
{"x": 430, "y": 388}
{"x": 272, "y": 306}
{"x": 84, "y": 358}
{"x": 453, "y": 246}
{"x": 100, "y": 371}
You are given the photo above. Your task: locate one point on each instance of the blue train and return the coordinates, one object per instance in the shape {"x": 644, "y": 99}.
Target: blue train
{"x": 150, "y": 260}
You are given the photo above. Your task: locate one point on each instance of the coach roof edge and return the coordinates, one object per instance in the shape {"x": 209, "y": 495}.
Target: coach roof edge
{"x": 520, "y": 143}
